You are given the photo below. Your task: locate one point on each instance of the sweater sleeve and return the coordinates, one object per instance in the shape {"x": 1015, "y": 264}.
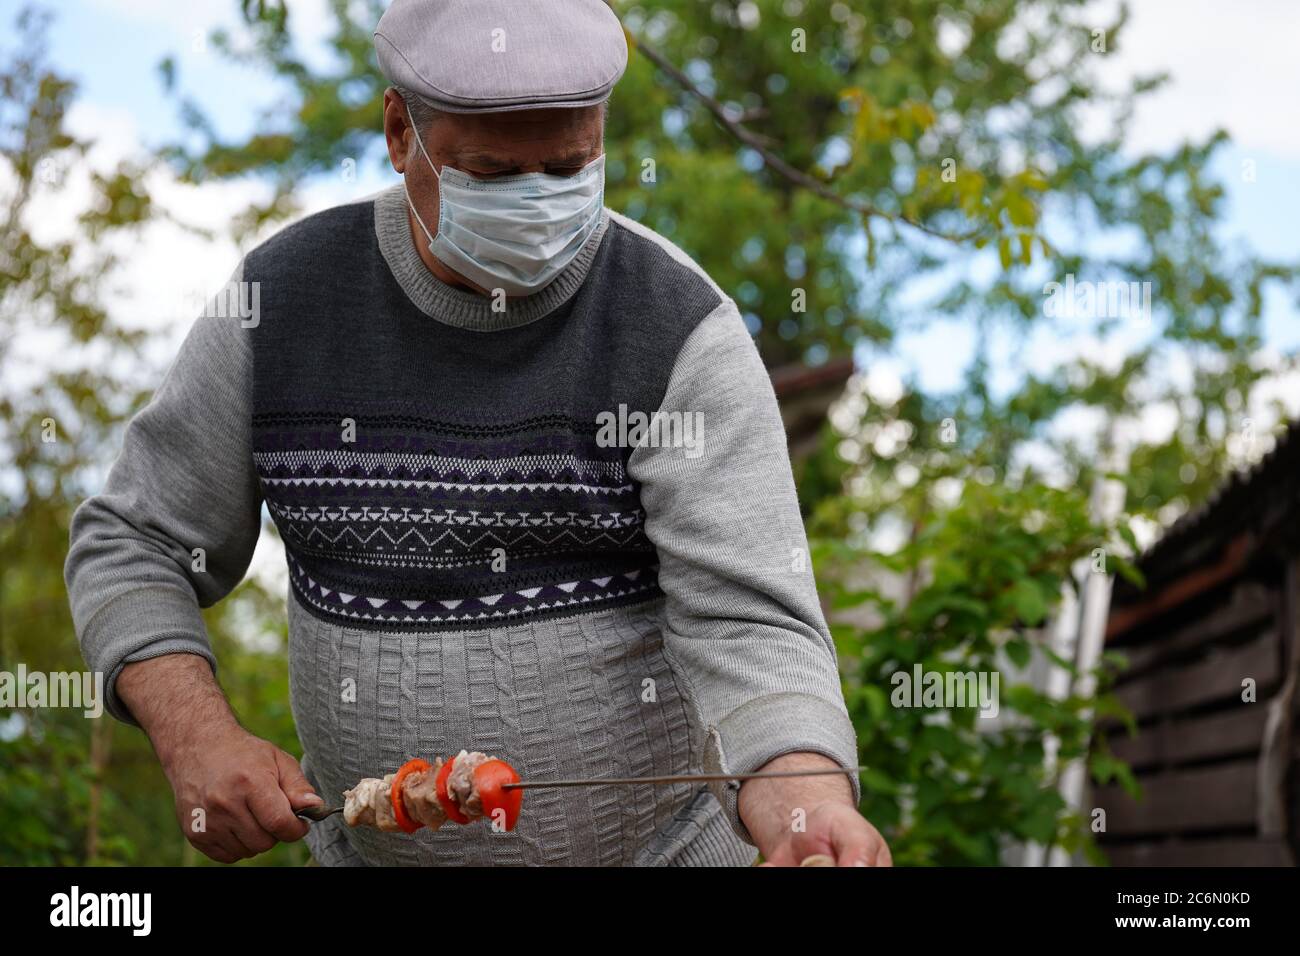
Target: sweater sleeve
{"x": 742, "y": 620}
{"x": 184, "y": 481}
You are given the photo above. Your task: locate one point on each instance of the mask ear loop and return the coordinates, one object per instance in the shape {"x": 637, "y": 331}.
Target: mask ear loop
{"x": 427, "y": 235}
{"x": 437, "y": 175}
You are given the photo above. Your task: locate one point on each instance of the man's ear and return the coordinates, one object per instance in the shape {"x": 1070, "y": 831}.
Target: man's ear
{"x": 397, "y": 130}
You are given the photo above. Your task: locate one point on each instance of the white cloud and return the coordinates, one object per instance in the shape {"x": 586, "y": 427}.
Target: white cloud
{"x": 168, "y": 271}
{"x": 192, "y": 20}
{"x": 1231, "y": 65}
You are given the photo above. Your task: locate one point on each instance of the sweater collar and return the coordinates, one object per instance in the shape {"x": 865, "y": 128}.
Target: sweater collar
{"x": 459, "y": 307}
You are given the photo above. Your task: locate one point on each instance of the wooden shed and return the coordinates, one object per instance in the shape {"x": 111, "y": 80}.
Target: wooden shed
{"x": 806, "y": 393}
{"x": 1219, "y": 766}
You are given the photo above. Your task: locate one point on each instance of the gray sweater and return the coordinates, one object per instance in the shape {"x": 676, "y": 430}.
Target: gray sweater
{"x": 484, "y": 552}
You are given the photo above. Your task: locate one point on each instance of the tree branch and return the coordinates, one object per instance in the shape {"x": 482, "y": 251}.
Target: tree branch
{"x": 774, "y": 161}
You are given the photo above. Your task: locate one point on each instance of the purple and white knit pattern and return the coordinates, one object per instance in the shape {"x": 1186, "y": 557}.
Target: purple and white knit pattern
{"x": 414, "y": 524}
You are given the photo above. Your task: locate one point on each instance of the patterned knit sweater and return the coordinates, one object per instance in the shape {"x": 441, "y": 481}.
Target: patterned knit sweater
{"x": 562, "y": 531}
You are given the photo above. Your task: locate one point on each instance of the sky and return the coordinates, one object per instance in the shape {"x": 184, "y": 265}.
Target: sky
{"x": 1232, "y": 66}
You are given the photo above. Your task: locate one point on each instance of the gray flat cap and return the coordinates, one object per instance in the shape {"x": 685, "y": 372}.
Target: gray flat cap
{"x": 490, "y": 56}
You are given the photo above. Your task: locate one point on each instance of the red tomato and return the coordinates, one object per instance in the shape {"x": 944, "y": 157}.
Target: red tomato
{"x": 395, "y": 794}
{"x": 448, "y": 804}
{"x": 488, "y": 780}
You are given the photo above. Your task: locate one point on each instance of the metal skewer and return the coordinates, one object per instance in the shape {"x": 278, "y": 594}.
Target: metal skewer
{"x": 320, "y": 813}
{"x": 680, "y": 778}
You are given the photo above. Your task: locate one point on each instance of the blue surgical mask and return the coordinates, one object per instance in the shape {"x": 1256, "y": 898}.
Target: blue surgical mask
{"x": 516, "y": 233}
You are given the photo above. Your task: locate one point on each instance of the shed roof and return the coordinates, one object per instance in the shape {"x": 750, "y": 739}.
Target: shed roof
{"x": 1259, "y": 502}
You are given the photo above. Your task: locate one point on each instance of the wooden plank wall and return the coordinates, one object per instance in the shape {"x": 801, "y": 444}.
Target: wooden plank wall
{"x": 1197, "y": 752}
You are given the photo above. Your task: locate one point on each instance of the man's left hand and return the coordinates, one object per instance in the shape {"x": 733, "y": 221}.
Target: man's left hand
{"x": 793, "y": 818}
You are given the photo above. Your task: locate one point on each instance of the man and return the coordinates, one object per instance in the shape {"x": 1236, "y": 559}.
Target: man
{"x": 532, "y": 484}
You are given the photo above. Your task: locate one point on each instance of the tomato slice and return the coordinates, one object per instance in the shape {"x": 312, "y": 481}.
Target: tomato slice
{"x": 488, "y": 780}
{"x": 448, "y": 804}
{"x": 399, "y": 808}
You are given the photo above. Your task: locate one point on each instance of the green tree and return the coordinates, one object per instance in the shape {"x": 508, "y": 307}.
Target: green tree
{"x": 73, "y": 790}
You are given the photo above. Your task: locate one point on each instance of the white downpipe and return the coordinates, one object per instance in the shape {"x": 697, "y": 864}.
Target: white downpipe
{"x": 1078, "y": 634}
{"x": 1107, "y": 501}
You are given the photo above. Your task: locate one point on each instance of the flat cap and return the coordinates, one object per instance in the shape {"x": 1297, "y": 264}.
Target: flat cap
{"x": 490, "y": 56}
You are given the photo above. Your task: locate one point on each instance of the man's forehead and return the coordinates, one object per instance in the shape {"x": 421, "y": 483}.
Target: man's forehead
{"x": 478, "y": 158}
{"x": 503, "y": 140}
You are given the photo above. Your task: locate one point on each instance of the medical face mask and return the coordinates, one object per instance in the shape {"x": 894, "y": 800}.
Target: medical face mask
{"x": 516, "y": 233}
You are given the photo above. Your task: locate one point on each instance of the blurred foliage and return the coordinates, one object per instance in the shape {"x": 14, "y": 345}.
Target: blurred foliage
{"x": 948, "y": 178}
{"x": 983, "y": 562}
{"x": 59, "y": 803}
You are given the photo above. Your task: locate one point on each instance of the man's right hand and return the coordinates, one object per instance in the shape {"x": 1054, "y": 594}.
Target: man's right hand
{"x": 235, "y": 793}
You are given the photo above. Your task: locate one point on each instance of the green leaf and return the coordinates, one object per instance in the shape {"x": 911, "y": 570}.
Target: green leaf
{"x": 1027, "y": 598}
{"x": 1019, "y": 652}
{"x": 1005, "y": 255}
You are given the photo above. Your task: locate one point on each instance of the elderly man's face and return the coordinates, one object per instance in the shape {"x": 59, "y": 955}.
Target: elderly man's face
{"x": 487, "y": 146}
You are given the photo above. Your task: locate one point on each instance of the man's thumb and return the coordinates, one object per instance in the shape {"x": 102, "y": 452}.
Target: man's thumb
{"x": 295, "y": 786}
